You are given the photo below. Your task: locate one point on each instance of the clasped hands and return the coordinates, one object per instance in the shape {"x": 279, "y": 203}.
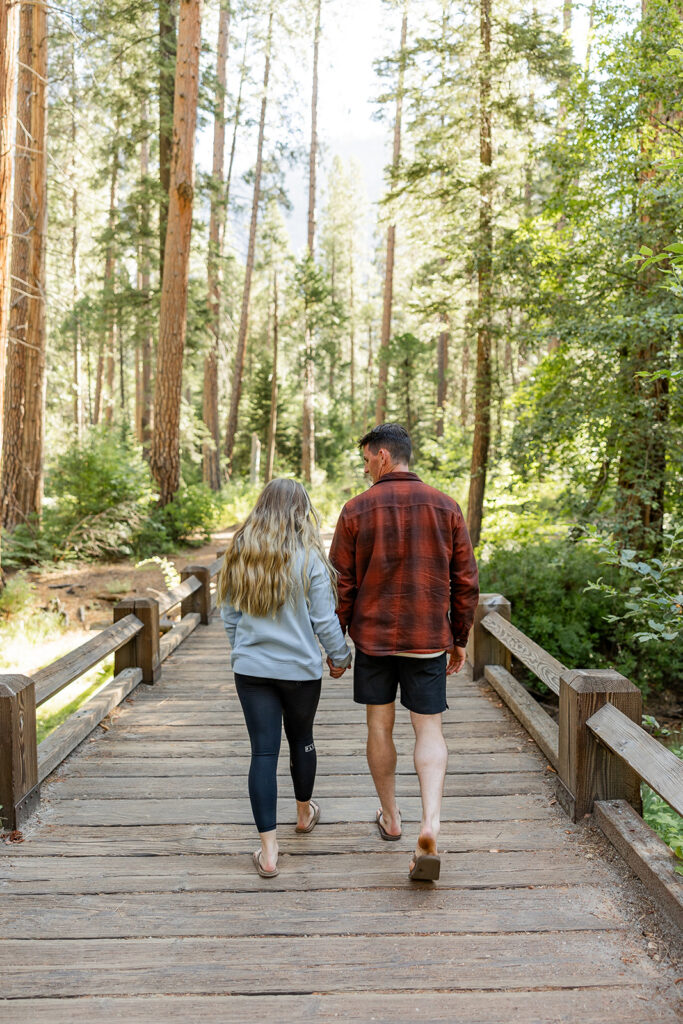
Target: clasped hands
{"x": 336, "y": 672}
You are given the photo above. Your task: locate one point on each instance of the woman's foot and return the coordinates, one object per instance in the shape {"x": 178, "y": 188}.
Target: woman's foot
{"x": 262, "y": 867}
{"x": 308, "y": 815}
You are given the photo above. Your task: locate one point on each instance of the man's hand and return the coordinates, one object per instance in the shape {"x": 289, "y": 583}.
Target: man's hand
{"x": 335, "y": 672}
{"x": 456, "y": 660}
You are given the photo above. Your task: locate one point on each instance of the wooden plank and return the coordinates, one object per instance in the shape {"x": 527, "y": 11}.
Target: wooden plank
{"x": 55, "y": 677}
{"x": 397, "y": 962}
{"x": 168, "y": 812}
{"x": 328, "y": 764}
{"x": 175, "y": 636}
{"x": 234, "y": 784}
{"x": 114, "y": 745}
{"x": 226, "y": 713}
{"x": 130, "y": 730}
{"x": 564, "y": 1006}
{"x": 645, "y": 853}
{"x": 534, "y": 719}
{"x": 154, "y": 840}
{"x": 656, "y": 765}
{"x": 66, "y": 737}
{"x": 178, "y": 594}
{"x": 542, "y": 664}
{"x": 298, "y": 871}
{"x": 353, "y": 911}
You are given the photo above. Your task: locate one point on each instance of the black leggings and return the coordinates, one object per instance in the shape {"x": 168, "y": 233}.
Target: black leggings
{"x": 266, "y": 703}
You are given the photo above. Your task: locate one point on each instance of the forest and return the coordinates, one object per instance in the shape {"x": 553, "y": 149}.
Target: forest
{"x": 199, "y": 290}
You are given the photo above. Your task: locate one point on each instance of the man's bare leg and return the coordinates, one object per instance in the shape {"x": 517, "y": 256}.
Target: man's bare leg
{"x": 431, "y": 759}
{"x": 381, "y": 754}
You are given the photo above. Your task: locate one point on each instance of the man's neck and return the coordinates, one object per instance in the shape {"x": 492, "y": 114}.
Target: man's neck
{"x": 396, "y": 467}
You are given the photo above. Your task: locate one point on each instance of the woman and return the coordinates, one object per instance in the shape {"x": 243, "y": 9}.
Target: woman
{"x": 276, "y": 591}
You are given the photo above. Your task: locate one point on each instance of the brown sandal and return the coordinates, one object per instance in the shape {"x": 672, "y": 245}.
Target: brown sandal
{"x": 314, "y": 820}
{"x": 256, "y": 857}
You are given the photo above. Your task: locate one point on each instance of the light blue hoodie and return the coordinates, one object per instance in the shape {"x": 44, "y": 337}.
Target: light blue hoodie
{"x": 284, "y": 646}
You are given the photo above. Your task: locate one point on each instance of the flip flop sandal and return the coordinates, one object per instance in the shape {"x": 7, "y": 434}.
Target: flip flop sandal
{"x": 256, "y": 857}
{"x": 386, "y": 836}
{"x": 314, "y": 820}
{"x": 426, "y": 868}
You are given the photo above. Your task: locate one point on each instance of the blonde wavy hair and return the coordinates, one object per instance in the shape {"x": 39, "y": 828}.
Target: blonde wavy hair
{"x": 257, "y": 575}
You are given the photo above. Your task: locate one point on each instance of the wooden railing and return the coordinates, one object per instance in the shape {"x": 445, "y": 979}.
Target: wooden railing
{"x": 139, "y": 649}
{"x": 597, "y": 748}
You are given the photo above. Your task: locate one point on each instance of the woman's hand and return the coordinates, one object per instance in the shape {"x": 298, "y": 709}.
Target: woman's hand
{"x": 335, "y": 672}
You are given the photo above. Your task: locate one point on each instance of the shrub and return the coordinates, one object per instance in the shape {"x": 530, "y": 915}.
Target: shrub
{"x": 191, "y": 515}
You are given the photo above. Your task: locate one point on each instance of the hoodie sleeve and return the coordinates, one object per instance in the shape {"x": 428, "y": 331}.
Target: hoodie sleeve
{"x": 323, "y": 615}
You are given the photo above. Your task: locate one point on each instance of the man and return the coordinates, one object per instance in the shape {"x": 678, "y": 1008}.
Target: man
{"x": 408, "y": 588}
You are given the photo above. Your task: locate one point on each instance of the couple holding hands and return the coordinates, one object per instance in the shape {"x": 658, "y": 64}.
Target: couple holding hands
{"x": 402, "y": 578}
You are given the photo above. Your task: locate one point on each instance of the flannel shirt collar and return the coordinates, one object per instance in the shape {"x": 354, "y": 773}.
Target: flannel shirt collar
{"x": 397, "y": 474}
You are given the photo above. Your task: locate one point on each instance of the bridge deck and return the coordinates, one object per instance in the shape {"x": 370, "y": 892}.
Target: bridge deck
{"x": 134, "y": 896}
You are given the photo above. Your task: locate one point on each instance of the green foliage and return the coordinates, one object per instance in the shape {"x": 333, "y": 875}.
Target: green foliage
{"x": 663, "y": 819}
{"x": 546, "y": 584}
{"x": 17, "y": 596}
{"x": 191, "y": 515}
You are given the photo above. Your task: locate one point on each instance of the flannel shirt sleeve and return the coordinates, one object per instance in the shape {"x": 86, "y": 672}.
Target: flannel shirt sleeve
{"x": 464, "y": 583}
{"x": 343, "y": 558}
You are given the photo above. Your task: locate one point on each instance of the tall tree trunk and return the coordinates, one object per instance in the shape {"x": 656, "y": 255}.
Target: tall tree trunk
{"x": 168, "y": 46}
{"x": 9, "y": 17}
{"x": 442, "y": 371}
{"x": 464, "y": 384}
{"x": 211, "y": 465}
{"x": 272, "y": 420}
{"x": 22, "y": 483}
{"x": 308, "y": 423}
{"x": 165, "y": 451}
{"x": 238, "y": 371}
{"x": 145, "y": 342}
{"x": 482, "y": 392}
{"x": 110, "y": 317}
{"x": 75, "y": 258}
{"x": 236, "y": 124}
{"x": 352, "y": 342}
{"x": 387, "y": 302}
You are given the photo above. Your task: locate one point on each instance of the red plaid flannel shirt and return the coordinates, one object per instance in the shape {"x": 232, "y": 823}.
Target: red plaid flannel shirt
{"x": 408, "y": 579}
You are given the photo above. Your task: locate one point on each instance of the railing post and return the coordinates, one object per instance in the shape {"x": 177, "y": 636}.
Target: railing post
{"x": 143, "y": 650}
{"x": 482, "y": 647}
{"x": 19, "y": 787}
{"x": 200, "y": 601}
{"x": 588, "y": 771}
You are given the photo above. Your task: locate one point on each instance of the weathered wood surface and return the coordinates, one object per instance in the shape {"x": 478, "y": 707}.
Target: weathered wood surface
{"x": 535, "y": 720}
{"x": 642, "y": 849}
{"x": 67, "y": 736}
{"x": 184, "y": 589}
{"x": 656, "y": 765}
{"x": 175, "y": 636}
{"x": 542, "y": 664}
{"x": 55, "y": 677}
{"x": 134, "y": 897}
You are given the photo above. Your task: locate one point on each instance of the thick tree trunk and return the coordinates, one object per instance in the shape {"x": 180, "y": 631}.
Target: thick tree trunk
{"x": 238, "y": 371}
{"x": 9, "y": 17}
{"x": 165, "y": 451}
{"x": 308, "y": 419}
{"x": 387, "y": 302}
{"x": 482, "y": 401}
{"x": 211, "y": 465}
{"x": 168, "y": 45}
{"x": 272, "y": 420}
{"x": 22, "y": 483}
{"x": 442, "y": 372}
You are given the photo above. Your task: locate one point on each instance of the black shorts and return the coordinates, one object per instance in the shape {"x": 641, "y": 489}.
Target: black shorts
{"x": 423, "y": 681}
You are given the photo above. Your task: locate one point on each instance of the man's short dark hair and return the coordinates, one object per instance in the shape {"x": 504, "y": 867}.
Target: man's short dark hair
{"x": 391, "y": 436}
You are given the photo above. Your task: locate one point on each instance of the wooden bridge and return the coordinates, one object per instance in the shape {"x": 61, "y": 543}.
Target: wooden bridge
{"x": 133, "y": 895}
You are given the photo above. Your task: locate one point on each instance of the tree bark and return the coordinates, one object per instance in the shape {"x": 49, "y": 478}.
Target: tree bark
{"x": 165, "y": 451}
{"x": 145, "y": 341}
{"x": 482, "y": 401}
{"x": 442, "y": 371}
{"x": 308, "y": 422}
{"x": 238, "y": 371}
{"x": 9, "y": 17}
{"x": 211, "y": 466}
{"x": 388, "y": 297}
{"x": 22, "y": 483}
{"x": 75, "y": 261}
{"x": 168, "y": 45}
{"x": 272, "y": 421}
{"x": 109, "y": 298}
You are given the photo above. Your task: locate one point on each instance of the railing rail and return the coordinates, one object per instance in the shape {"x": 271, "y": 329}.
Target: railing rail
{"x": 135, "y": 640}
{"x": 597, "y": 747}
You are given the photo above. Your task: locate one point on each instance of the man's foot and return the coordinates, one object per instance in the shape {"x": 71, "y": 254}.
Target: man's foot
{"x": 426, "y": 863}
{"x": 389, "y": 830}
{"x": 308, "y": 823}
